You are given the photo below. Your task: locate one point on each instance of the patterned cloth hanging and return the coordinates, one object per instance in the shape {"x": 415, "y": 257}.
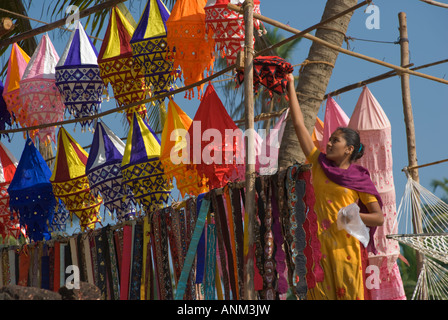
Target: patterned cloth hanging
{"x": 191, "y": 45}
{"x": 149, "y": 46}
{"x": 174, "y": 153}
{"x": 17, "y": 63}
{"x": 269, "y": 71}
{"x": 221, "y": 160}
{"x": 31, "y": 193}
{"x": 78, "y": 77}
{"x": 103, "y": 170}
{"x": 9, "y": 225}
{"x": 228, "y": 26}
{"x": 118, "y": 67}
{"x": 141, "y": 166}
{"x": 70, "y": 183}
{"x": 39, "y": 93}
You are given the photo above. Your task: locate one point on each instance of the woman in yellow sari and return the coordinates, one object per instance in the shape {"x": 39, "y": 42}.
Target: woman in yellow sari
{"x": 338, "y": 183}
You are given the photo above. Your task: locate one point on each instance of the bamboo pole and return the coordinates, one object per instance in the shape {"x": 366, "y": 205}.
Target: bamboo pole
{"x": 285, "y": 27}
{"x": 410, "y": 133}
{"x": 6, "y": 25}
{"x": 249, "y": 291}
{"x": 59, "y": 23}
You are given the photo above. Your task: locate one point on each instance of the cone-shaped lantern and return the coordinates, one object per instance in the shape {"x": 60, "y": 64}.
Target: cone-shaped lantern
{"x": 78, "y": 77}
{"x": 118, "y": 67}
{"x": 141, "y": 166}
{"x": 17, "y": 63}
{"x": 39, "y": 93}
{"x": 191, "y": 44}
{"x": 216, "y": 143}
{"x": 5, "y": 116}
{"x": 334, "y": 117}
{"x": 174, "y": 155}
{"x": 149, "y": 46}
{"x": 104, "y": 172}
{"x": 31, "y": 193}
{"x": 376, "y": 135}
{"x": 70, "y": 183}
{"x": 228, "y": 26}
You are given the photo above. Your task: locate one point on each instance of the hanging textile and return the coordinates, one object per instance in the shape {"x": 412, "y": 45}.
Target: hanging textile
{"x": 190, "y": 43}
{"x": 150, "y": 49}
{"x": 118, "y": 67}
{"x": 39, "y": 93}
{"x": 9, "y": 223}
{"x": 141, "y": 167}
{"x": 174, "y": 152}
{"x": 222, "y": 159}
{"x": 17, "y": 64}
{"x": 269, "y": 71}
{"x": 31, "y": 193}
{"x": 334, "y": 117}
{"x": 375, "y": 132}
{"x": 228, "y": 26}
{"x": 78, "y": 77}
{"x": 70, "y": 183}
{"x": 103, "y": 169}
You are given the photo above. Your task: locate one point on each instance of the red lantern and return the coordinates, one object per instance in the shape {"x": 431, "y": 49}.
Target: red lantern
{"x": 228, "y": 26}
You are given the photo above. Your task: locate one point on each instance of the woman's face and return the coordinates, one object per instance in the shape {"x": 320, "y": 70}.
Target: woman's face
{"x": 337, "y": 148}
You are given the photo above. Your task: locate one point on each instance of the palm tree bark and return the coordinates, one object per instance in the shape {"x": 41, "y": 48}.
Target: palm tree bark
{"x": 314, "y": 78}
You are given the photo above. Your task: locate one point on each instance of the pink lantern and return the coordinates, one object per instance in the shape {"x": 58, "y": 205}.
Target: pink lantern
{"x": 334, "y": 117}
{"x": 39, "y": 92}
{"x": 228, "y": 26}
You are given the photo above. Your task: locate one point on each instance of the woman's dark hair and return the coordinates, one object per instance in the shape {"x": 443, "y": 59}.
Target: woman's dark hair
{"x": 352, "y": 138}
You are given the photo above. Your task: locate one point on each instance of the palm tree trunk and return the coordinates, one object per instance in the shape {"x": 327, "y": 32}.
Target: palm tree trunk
{"x": 314, "y": 78}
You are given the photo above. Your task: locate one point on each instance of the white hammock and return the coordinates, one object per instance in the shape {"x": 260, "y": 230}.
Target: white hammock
{"x": 419, "y": 204}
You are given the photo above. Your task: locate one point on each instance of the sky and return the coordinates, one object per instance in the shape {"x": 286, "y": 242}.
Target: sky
{"x": 428, "y": 43}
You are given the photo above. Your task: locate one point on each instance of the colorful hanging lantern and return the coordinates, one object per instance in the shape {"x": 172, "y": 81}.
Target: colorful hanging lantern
{"x": 174, "y": 155}
{"x": 141, "y": 166}
{"x": 119, "y": 68}
{"x": 31, "y": 193}
{"x": 78, "y": 77}
{"x": 39, "y": 93}
{"x": 149, "y": 46}
{"x": 228, "y": 26}
{"x": 334, "y": 117}
{"x": 216, "y": 143}
{"x": 9, "y": 224}
{"x": 103, "y": 170}
{"x": 191, "y": 44}
{"x": 70, "y": 183}
{"x": 17, "y": 64}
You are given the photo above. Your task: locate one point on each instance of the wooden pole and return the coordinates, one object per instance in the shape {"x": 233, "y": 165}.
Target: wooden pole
{"x": 59, "y": 23}
{"x": 305, "y": 35}
{"x": 410, "y": 132}
{"x": 249, "y": 291}
{"x": 6, "y": 25}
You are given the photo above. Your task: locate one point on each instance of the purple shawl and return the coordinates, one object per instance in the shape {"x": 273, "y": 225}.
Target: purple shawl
{"x": 356, "y": 178}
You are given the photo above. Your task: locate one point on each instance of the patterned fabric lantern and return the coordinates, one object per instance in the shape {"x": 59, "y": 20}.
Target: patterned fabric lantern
{"x": 103, "y": 170}
{"x": 334, "y": 117}
{"x": 39, "y": 93}
{"x": 222, "y": 159}
{"x": 9, "y": 225}
{"x": 376, "y": 134}
{"x": 141, "y": 166}
{"x": 78, "y": 77}
{"x": 16, "y": 67}
{"x": 118, "y": 67}
{"x": 228, "y": 26}
{"x": 191, "y": 44}
{"x": 149, "y": 46}
{"x": 32, "y": 193}
{"x": 174, "y": 154}
{"x": 70, "y": 183}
